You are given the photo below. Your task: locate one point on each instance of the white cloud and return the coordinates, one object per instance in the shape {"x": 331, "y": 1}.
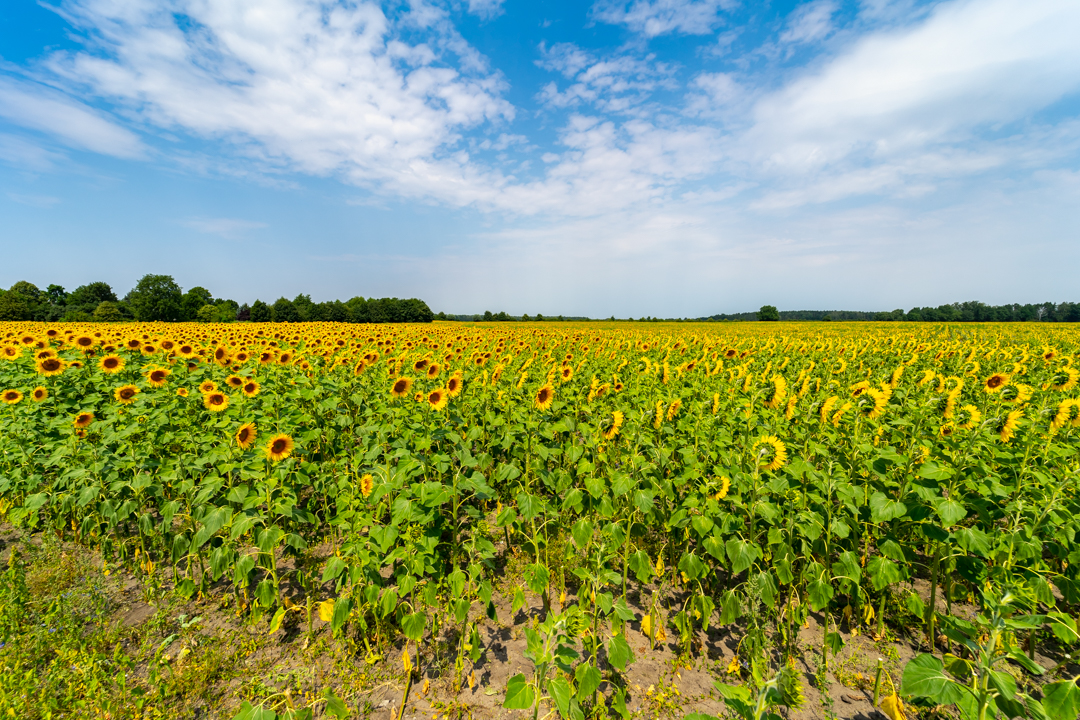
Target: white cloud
{"x": 916, "y": 102}
{"x": 486, "y": 9}
{"x": 38, "y": 201}
{"x": 228, "y": 228}
{"x": 618, "y": 84}
{"x": 809, "y": 22}
{"x": 35, "y": 106}
{"x": 659, "y": 17}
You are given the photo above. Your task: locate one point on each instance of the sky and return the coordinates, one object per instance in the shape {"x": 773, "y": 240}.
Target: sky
{"x": 665, "y": 158}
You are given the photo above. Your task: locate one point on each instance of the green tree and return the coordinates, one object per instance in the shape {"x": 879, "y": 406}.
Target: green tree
{"x": 108, "y": 311}
{"x": 156, "y": 298}
{"x": 194, "y": 300}
{"x": 12, "y": 307}
{"x": 284, "y": 311}
{"x": 56, "y": 294}
{"x": 768, "y": 313}
{"x": 207, "y": 314}
{"x": 92, "y": 294}
{"x": 260, "y": 312}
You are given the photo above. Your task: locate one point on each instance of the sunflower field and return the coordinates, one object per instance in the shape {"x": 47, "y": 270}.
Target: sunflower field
{"x": 640, "y": 483}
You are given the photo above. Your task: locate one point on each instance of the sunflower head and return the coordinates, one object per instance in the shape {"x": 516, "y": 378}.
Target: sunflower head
{"x": 279, "y": 447}
{"x": 245, "y": 436}
{"x": 83, "y": 419}
{"x": 182, "y": 392}
{"x": 234, "y": 381}
{"x": 125, "y": 394}
{"x": 207, "y": 386}
{"x": 770, "y": 452}
{"x": 38, "y": 394}
{"x": 110, "y": 364}
{"x": 995, "y": 382}
{"x": 367, "y": 484}
{"x": 158, "y": 376}
{"x": 544, "y": 397}
{"x": 50, "y": 366}
{"x": 250, "y": 388}
{"x": 215, "y": 401}
{"x": 437, "y": 399}
{"x": 453, "y": 385}
{"x": 11, "y": 397}
{"x": 610, "y": 428}
{"x": 401, "y": 387}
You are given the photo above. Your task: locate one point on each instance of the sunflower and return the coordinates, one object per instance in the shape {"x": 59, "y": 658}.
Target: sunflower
{"x": 770, "y": 444}
{"x": 359, "y": 368}
{"x": 1017, "y": 393}
{"x": 125, "y": 394}
{"x": 673, "y": 409}
{"x": 972, "y": 415}
{"x": 1068, "y": 411}
{"x": 279, "y": 447}
{"x": 401, "y": 387}
{"x": 1009, "y": 425}
{"x": 776, "y": 393}
{"x": 83, "y": 419}
{"x": 367, "y": 484}
{"x": 1065, "y": 380}
{"x": 437, "y": 399}
{"x": 419, "y": 396}
{"x": 285, "y": 358}
{"x": 453, "y": 385}
{"x": 725, "y": 485}
{"x": 250, "y": 389}
{"x": 611, "y": 428}
{"x": 85, "y": 342}
{"x": 111, "y": 364}
{"x": 245, "y": 436}
{"x": 157, "y": 377}
{"x": 995, "y": 382}
{"x": 11, "y": 352}
{"x": 567, "y": 374}
{"x": 947, "y": 430}
{"x": 544, "y": 397}
{"x": 38, "y": 394}
{"x": 182, "y": 392}
{"x": 44, "y": 353}
{"x": 873, "y": 403}
{"x": 12, "y": 396}
{"x": 234, "y": 381}
{"x": 186, "y": 351}
{"x": 420, "y": 365}
{"x": 50, "y": 366}
{"x": 827, "y": 407}
{"x": 207, "y": 386}
{"x": 222, "y": 355}
{"x": 215, "y": 401}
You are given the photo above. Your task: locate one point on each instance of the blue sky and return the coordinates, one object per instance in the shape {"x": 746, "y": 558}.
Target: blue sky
{"x": 652, "y": 157}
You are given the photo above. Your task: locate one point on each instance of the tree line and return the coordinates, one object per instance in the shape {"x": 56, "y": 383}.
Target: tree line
{"x": 971, "y": 311}
{"x": 160, "y": 298}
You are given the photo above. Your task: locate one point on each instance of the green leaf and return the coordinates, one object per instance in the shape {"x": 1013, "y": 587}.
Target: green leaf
{"x": 334, "y": 706}
{"x": 742, "y": 554}
{"x": 641, "y": 565}
{"x": 519, "y": 694}
{"x": 950, "y": 512}
{"x": 588, "y": 679}
{"x": 847, "y": 566}
{"x": 561, "y": 692}
{"x": 820, "y": 593}
{"x": 883, "y": 509}
{"x": 730, "y": 608}
{"x": 1025, "y": 662}
{"x": 882, "y": 572}
{"x": 1003, "y": 683}
{"x": 834, "y": 642}
{"x": 342, "y": 607}
{"x": 582, "y": 531}
{"x": 413, "y": 625}
{"x": 1061, "y": 700}
{"x": 693, "y": 567}
{"x": 619, "y": 653}
{"x": 334, "y": 567}
{"x": 925, "y": 676}
{"x": 537, "y": 576}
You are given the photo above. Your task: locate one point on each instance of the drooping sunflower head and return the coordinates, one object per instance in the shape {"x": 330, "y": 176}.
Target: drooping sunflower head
{"x": 215, "y": 401}
{"x": 437, "y": 399}
{"x": 367, "y": 484}
{"x": 968, "y": 417}
{"x": 110, "y": 364}
{"x": 1065, "y": 380}
{"x": 995, "y": 382}
{"x": 250, "y": 388}
{"x": 38, "y": 394}
{"x": 245, "y": 436}
{"x": 544, "y": 397}
{"x": 157, "y": 377}
{"x": 279, "y": 447}
{"x": 1009, "y": 425}
{"x": 11, "y": 397}
{"x": 610, "y": 428}
{"x": 770, "y": 453}
{"x": 125, "y": 394}
{"x": 83, "y": 419}
{"x": 50, "y": 366}
{"x": 207, "y": 386}
{"x": 401, "y": 387}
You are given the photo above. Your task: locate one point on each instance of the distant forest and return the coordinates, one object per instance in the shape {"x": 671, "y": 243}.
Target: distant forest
{"x": 956, "y": 312}
{"x": 159, "y": 298}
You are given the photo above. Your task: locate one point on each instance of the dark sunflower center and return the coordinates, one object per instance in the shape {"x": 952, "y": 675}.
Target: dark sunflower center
{"x": 278, "y": 446}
